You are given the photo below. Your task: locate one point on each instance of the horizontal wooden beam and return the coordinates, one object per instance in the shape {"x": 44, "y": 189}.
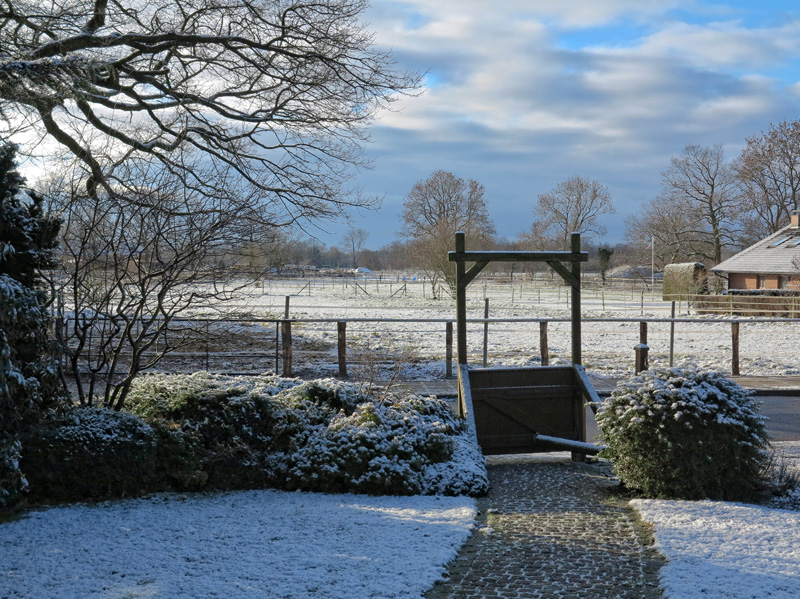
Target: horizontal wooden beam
{"x": 518, "y": 256}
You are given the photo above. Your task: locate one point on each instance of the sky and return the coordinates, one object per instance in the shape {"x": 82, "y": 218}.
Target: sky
{"x": 523, "y": 94}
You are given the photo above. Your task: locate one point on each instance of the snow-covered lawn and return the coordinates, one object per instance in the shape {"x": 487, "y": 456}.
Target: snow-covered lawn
{"x": 720, "y": 550}
{"x": 264, "y": 544}
{"x": 278, "y": 545}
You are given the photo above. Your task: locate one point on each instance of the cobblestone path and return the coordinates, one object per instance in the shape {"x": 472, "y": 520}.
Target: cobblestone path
{"x": 551, "y": 528}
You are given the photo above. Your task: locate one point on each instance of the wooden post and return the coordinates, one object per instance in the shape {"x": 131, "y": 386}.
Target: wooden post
{"x": 544, "y": 350}
{"x": 485, "y": 332}
{"x": 448, "y": 341}
{"x": 735, "y": 348}
{"x": 207, "y": 348}
{"x": 641, "y": 350}
{"x": 341, "y": 334}
{"x": 579, "y": 407}
{"x": 672, "y": 336}
{"x": 277, "y": 344}
{"x": 643, "y": 332}
{"x": 286, "y": 333}
{"x": 576, "y": 299}
{"x": 461, "y": 302}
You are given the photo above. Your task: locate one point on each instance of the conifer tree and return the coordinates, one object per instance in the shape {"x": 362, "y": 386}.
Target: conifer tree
{"x": 29, "y": 382}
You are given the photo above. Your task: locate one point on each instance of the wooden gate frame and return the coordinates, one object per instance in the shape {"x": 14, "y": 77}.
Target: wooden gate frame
{"x": 572, "y": 276}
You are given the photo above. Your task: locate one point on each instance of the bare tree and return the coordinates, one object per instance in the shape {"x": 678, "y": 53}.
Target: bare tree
{"x": 266, "y": 249}
{"x": 135, "y": 270}
{"x": 671, "y": 228}
{"x": 768, "y": 172}
{"x": 700, "y": 183}
{"x": 574, "y": 206}
{"x": 278, "y": 92}
{"x": 353, "y": 242}
{"x": 435, "y": 210}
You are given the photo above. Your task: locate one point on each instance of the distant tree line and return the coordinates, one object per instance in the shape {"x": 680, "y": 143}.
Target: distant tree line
{"x": 708, "y": 208}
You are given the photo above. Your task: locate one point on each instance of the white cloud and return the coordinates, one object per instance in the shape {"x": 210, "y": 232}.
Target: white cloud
{"x": 594, "y": 13}
{"x": 728, "y": 44}
{"x": 561, "y": 13}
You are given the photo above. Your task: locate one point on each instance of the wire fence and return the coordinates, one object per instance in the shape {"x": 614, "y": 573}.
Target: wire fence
{"x": 404, "y": 323}
{"x": 423, "y": 347}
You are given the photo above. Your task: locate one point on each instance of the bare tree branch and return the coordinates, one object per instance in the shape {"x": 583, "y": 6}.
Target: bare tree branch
{"x": 768, "y": 172}
{"x": 704, "y": 186}
{"x": 574, "y": 206}
{"x": 279, "y": 92}
{"x": 136, "y": 270}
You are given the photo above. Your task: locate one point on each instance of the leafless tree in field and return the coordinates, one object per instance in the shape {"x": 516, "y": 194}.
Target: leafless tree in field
{"x": 434, "y": 211}
{"x": 671, "y": 228}
{"x": 135, "y": 269}
{"x": 265, "y": 250}
{"x": 574, "y": 206}
{"x": 768, "y": 172}
{"x": 277, "y": 92}
{"x": 704, "y": 185}
{"x": 353, "y": 241}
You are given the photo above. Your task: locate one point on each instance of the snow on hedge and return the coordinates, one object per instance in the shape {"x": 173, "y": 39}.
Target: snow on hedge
{"x": 684, "y": 432}
{"x": 324, "y": 435}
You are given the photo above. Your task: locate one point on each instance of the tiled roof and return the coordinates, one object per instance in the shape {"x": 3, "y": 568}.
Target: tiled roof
{"x": 777, "y": 254}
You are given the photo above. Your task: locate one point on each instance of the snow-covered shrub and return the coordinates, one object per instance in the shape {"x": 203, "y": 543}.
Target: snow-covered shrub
{"x": 684, "y": 433}
{"x": 325, "y": 435}
{"x": 214, "y": 431}
{"x": 180, "y": 395}
{"x": 90, "y": 453}
{"x": 380, "y": 448}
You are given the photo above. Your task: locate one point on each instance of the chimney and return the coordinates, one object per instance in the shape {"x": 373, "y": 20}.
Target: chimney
{"x": 794, "y": 219}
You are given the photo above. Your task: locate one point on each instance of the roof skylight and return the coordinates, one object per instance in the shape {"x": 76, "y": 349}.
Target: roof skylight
{"x": 779, "y": 242}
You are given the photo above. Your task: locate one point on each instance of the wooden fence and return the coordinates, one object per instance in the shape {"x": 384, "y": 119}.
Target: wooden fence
{"x": 280, "y": 347}
{"x": 640, "y": 350}
{"x": 747, "y": 305}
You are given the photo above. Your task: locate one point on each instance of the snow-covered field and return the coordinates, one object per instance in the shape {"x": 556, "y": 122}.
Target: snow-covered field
{"x": 264, "y": 544}
{"x": 766, "y": 348}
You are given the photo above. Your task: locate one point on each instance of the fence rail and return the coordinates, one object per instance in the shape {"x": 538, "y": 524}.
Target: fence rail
{"x": 287, "y": 343}
{"x": 747, "y": 305}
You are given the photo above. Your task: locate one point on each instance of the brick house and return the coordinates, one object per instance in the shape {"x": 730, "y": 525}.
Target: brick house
{"x": 772, "y": 263}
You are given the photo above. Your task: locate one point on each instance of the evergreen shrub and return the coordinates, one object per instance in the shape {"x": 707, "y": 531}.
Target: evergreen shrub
{"x": 685, "y": 433}
{"x": 240, "y": 432}
{"x": 29, "y": 384}
{"x": 90, "y": 453}
{"x": 210, "y": 432}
